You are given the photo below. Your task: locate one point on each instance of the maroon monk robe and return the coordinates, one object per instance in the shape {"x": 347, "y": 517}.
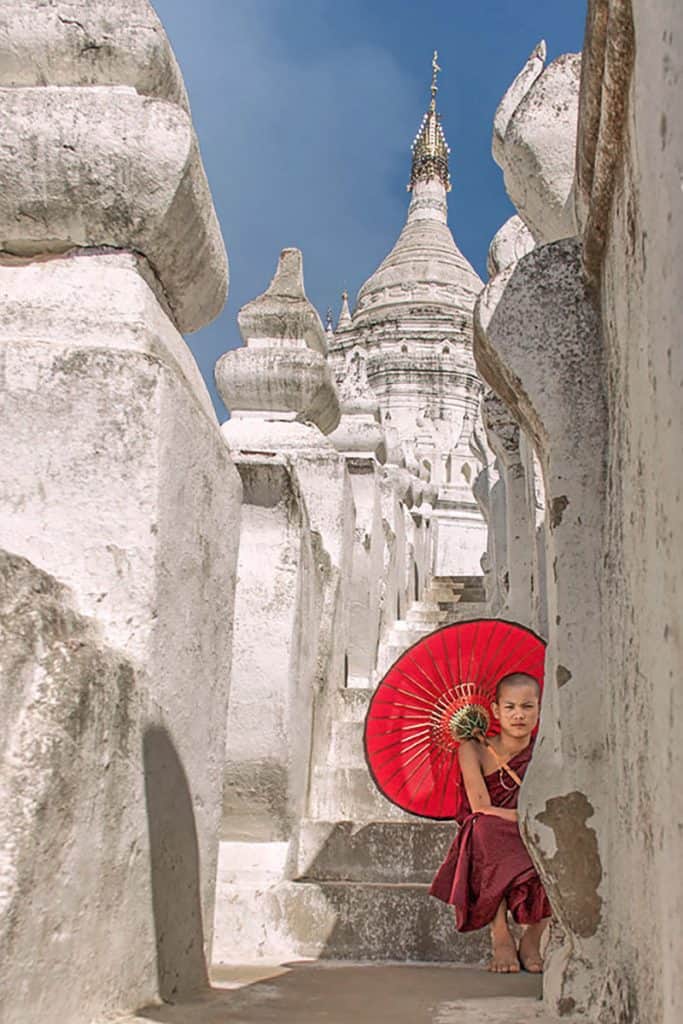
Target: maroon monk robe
{"x": 488, "y": 861}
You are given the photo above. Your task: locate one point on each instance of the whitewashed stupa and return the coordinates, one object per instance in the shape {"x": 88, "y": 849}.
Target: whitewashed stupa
{"x": 412, "y": 324}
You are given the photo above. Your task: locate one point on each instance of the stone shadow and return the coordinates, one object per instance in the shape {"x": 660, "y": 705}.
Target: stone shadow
{"x": 301, "y": 993}
{"x": 174, "y": 865}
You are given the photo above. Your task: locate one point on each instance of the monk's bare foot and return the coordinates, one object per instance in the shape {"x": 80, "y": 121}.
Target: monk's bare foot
{"x": 504, "y": 958}
{"x": 529, "y": 950}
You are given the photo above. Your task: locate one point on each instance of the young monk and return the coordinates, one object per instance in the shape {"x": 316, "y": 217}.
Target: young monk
{"x": 487, "y": 871}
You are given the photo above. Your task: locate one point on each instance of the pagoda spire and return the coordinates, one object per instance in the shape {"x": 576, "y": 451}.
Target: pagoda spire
{"x": 345, "y": 314}
{"x": 430, "y": 149}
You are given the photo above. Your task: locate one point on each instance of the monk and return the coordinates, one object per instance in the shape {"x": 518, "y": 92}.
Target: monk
{"x": 487, "y": 871}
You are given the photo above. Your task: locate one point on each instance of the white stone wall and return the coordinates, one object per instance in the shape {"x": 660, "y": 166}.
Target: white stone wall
{"x": 117, "y": 484}
{"x": 643, "y": 653}
{"x": 599, "y": 393}
{"x": 278, "y": 612}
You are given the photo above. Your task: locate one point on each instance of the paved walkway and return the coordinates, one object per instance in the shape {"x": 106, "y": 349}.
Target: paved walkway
{"x": 343, "y": 993}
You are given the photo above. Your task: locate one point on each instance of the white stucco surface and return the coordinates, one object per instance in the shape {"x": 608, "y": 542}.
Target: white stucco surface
{"x": 120, "y": 495}
{"x": 598, "y": 393}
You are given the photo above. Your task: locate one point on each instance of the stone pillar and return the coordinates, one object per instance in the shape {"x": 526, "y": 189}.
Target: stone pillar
{"x": 549, "y": 371}
{"x": 536, "y": 534}
{"x": 538, "y": 115}
{"x": 503, "y": 435}
{"x": 360, "y": 438}
{"x": 119, "y": 487}
{"x": 283, "y": 401}
{"x": 489, "y": 493}
{"x": 394, "y": 489}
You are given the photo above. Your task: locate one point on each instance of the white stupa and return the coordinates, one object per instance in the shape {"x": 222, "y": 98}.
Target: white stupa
{"x": 413, "y": 324}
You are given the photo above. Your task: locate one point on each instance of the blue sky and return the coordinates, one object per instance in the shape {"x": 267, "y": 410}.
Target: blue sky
{"x": 305, "y": 111}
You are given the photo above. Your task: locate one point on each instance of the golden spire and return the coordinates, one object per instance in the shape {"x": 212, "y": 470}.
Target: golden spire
{"x": 435, "y": 88}
{"x": 430, "y": 149}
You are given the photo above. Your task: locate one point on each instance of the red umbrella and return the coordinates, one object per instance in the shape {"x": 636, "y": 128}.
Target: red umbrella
{"x": 439, "y": 691}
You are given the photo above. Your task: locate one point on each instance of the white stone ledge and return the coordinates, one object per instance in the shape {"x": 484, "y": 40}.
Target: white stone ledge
{"x": 101, "y": 42}
{"x": 105, "y": 166}
{"x": 85, "y": 301}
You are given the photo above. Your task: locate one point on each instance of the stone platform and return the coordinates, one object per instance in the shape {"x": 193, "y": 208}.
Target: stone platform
{"x": 344, "y": 993}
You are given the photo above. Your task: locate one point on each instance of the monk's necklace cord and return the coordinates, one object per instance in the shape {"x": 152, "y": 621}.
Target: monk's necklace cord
{"x": 502, "y": 774}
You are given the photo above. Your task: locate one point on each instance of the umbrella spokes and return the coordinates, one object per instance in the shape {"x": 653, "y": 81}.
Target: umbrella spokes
{"x": 436, "y": 696}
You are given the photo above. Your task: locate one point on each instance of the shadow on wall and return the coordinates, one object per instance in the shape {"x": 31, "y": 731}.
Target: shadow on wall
{"x": 174, "y": 864}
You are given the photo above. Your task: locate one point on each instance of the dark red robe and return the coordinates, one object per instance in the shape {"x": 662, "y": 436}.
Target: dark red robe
{"x": 488, "y": 861}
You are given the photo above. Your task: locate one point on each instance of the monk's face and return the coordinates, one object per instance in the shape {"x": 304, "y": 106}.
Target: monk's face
{"x": 517, "y": 710}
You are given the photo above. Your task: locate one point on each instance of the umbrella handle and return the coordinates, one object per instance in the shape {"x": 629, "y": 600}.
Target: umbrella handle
{"x": 502, "y": 765}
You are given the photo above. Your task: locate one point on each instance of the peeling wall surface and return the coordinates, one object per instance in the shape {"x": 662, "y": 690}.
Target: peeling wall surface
{"x": 642, "y": 284}
{"x": 598, "y": 393}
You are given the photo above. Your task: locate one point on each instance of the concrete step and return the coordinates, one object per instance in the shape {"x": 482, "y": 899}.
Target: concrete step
{"x": 351, "y": 704}
{"x": 255, "y": 864}
{"x": 410, "y": 631}
{"x": 469, "y": 588}
{"x": 377, "y": 851}
{"x": 349, "y": 794}
{"x": 346, "y": 746}
{"x": 395, "y": 922}
{"x": 339, "y": 920}
{"x": 468, "y": 610}
{"x": 390, "y": 652}
{"x": 424, "y": 613}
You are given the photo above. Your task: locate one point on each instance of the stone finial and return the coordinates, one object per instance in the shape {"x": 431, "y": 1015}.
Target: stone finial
{"x": 282, "y": 372}
{"x": 512, "y": 241}
{"x": 345, "y": 313}
{"x": 283, "y": 314}
{"x": 537, "y": 152}
{"x": 514, "y": 96}
{"x": 329, "y": 327}
{"x": 117, "y": 133}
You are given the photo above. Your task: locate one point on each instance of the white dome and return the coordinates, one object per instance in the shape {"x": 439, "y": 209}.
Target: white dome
{"x": 425, "y": 267}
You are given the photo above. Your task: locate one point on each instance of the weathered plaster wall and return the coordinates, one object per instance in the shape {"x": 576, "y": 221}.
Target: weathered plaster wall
{"x": 73, "y": 832}
{"x": 550, "y": 373}
{"x": 599, "y": 392}
{"x": 101, "y": 902}
{"x": 116, "y": 483}
{"x": 642, "y": 284}
{"x": 278, "y": 608}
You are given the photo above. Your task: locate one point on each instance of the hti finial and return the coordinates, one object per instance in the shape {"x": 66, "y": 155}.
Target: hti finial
{"x": 430, "y": 149}
{"x": 435, "y": 71}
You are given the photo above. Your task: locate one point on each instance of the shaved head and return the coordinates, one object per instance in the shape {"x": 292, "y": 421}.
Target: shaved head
{"x": 517, "y": 679}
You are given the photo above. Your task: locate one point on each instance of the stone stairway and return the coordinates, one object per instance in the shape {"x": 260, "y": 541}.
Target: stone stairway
{"x": 446, "y": 600}
{"x": 371, "y": 861}
{"x": 353, "y": 883}
{"x": 359, "y": 892}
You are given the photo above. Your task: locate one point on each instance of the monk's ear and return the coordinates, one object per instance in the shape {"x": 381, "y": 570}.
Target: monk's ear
{"x": 495, "y": 709}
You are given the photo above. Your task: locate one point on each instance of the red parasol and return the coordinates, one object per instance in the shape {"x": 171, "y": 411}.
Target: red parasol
{"x": 437, "y": 692}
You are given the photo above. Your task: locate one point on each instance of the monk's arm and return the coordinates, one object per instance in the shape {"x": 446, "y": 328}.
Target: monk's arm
{"x": 475, "y": 787}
